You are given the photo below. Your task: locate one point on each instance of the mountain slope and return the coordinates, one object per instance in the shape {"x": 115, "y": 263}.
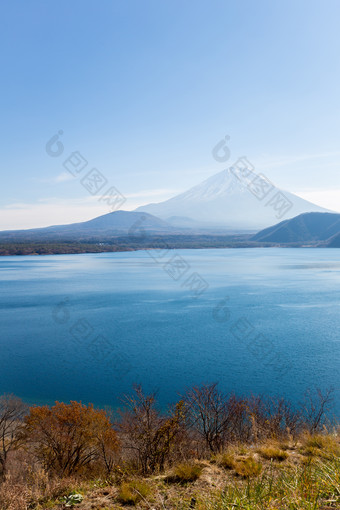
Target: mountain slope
{"x": 309, "y": 227}
{"x": 334, "y": 242}
{"x": 225, "y": 201}
{"x": 114, "y": 223}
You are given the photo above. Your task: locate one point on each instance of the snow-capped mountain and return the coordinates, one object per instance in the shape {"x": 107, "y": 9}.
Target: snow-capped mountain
{"x": 234, "y": 200}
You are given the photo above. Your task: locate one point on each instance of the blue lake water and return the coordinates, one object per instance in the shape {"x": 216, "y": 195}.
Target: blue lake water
{"x": 86, "y": 327}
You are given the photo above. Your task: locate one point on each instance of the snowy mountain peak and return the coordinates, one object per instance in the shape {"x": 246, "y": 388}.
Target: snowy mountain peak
{"x": 236, "y": 199}
{"x": 223, "y": 183}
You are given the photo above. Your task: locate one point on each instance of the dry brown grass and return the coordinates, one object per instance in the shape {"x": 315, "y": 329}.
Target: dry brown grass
{"x": 325, "y": 446}
{"x": 226, "y": 460}
{"x": 234, "y": 479}
{"x": 37, "y": 490}
{"x": 247, "y": 467}
{"x": 185, "y": 472}
{"x": 131, "y": 493}
{"x": 272, "y": 453}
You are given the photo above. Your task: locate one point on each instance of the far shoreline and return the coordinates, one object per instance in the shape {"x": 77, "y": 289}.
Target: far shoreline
{"x": 45, "y": 250}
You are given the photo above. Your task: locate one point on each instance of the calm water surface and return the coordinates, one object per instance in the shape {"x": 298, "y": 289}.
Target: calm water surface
{"x": 85, "y": 327}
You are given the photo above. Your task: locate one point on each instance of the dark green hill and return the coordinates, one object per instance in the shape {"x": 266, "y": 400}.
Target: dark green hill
{"x": 305, "y": 228}
{"x": 334, "y": 242}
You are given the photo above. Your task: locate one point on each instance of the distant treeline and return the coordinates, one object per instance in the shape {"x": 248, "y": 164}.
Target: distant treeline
{"x": 56, "y": 248}
{"x": 128, "y": 243}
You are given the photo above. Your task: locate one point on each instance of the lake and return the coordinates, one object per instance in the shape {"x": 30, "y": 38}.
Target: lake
{"x": 86, "y": 327}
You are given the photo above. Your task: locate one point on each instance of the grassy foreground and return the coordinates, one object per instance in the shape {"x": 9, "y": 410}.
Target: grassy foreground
{"x": 295, "y": 474}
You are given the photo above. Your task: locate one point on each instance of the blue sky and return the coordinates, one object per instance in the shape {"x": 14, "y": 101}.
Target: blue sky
{"x": 145, "y": 90}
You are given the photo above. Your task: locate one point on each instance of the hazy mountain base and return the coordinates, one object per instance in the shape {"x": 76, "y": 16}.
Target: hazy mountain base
{"x": 126, "y": 244}
{"x": 121, "y": 244}
{"x": 126, "y": 231}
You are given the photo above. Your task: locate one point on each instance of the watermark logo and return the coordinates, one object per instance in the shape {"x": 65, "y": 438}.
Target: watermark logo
{"x": 99, "y": 347}
{"x": 221, "y": 151}
{"x": 242, "y": 169}
{"x": 259, "y": 345}
{"x": 54, "y": 147}
{"x": 261, "y": 187}
{"x": 173, "y": 264}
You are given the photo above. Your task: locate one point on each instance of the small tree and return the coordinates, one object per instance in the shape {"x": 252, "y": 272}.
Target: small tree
{"x": 12, "y": 412}
{"x": 272, "y": 417}
{"x": 216, "y": 417}
{"x": 68, "y": 437}
{"x": 147, "y": 433}
{"x": 315, "y": 408}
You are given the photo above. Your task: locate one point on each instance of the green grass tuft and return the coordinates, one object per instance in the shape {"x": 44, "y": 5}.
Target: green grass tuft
{"x": 131, "y": 493}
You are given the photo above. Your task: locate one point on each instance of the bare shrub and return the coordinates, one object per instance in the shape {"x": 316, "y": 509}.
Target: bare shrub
{"x": 272, "y": 418}
{"x": 148, "y": 434}
{"x": 315, "y": 407}
{"x": 12, "y": 412}
{"x": 216, "y": 417}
